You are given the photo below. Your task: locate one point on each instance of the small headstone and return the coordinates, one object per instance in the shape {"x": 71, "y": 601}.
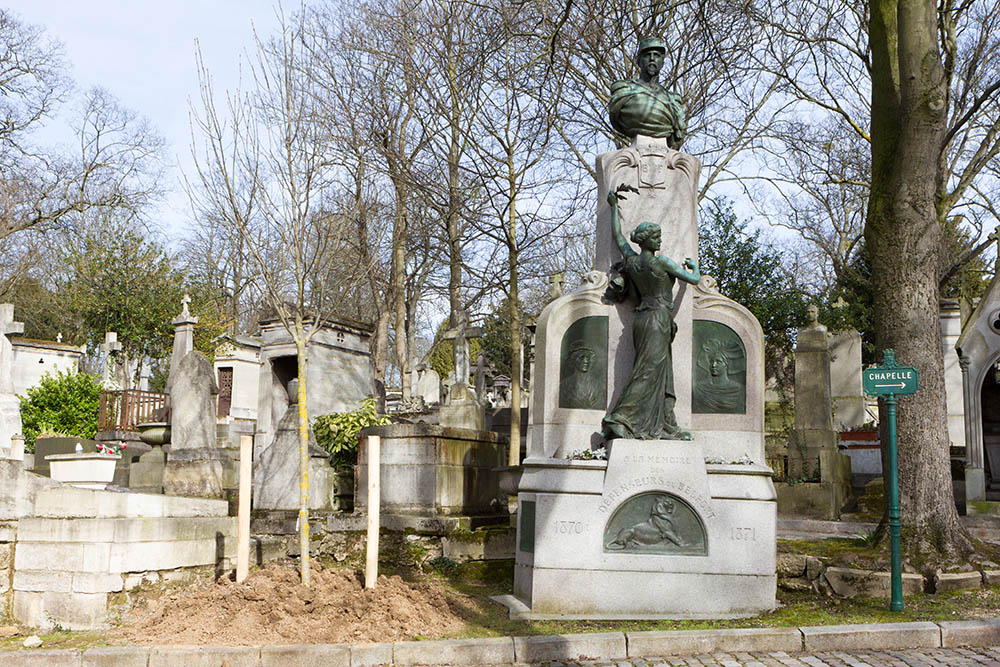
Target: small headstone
{"x": 429, "y": 385}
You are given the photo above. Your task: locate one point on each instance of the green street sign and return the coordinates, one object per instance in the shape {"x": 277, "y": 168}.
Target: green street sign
{"x": 890, "y": 378}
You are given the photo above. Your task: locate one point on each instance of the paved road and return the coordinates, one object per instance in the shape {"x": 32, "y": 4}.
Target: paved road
{"x": 925, "y": 657}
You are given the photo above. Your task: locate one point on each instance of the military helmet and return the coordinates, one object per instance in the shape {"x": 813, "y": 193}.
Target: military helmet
{"x": 650, "y": 43}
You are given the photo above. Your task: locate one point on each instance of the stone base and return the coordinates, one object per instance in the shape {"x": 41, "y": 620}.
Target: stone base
{"x": 435, "y": 471}
{"x": 812, "y": 500}
{"x": 468, "y": 413}
{"x": 195, "y": 473}
{"x": 655, "y": 532}
{"x": 146, "y": 474}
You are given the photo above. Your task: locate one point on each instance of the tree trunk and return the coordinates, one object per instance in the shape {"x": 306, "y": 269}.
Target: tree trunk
{"x": 903, "y": 238}
{"x": 300, "y": 349}
{"x": 514, "y": 454}
{"x": 380, "y": 357}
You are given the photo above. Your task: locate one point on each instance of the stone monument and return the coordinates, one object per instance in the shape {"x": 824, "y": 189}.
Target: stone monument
{"x": 845, "y": 380}
{"x": 195, "y": 464}
{"x": 813, "y": 453}
{"x": 278, "y": 486}
{"x": 462, "y": 407}
{"x": 429, "y": 384}
{"x": 679, "y": 521}
{"x": 183, "y": 338}
{"x": 10, "y": 405}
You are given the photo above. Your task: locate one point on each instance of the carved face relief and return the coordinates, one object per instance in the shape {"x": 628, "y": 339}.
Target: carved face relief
{"x": 583, "y": 365}
{"x": 718, "y": 385}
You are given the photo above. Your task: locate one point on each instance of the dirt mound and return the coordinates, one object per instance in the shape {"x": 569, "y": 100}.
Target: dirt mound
{"x": 273, "y": 607}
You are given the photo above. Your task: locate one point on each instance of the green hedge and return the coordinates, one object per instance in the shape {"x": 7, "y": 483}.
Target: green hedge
{"x": 65, "y": 403}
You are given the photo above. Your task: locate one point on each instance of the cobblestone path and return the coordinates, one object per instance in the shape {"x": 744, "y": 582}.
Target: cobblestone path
{"x": 930, "y": 657}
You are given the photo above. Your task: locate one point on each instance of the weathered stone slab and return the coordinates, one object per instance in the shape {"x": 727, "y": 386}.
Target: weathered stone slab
{"x": 709, "y": 641}
{"x": 991, "y": 577}
{"x": 970, "y": 633}
{"x": 597, "y": 646}
{"x": 492, "y": 651}
{"x": 73, "y": 611}
{"x": 306, "y": 655}
{"x": 371, "y": 655}
{"x": 847, "y": 582}
{"x": 876, "y": 636}
{"x": 946, "y": 582}
{"x": 36, "y": 657}
{"x": 116, "y": 656}
{"x": 204, "y": 656}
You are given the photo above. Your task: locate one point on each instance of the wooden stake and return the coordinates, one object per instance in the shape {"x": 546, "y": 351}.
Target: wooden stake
{"x": 243, "y": 535}
{"x": 374, "y": 500}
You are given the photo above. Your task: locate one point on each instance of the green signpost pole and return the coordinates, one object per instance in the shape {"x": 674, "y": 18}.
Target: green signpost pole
{"x": 889, "y": 381}
{"x": 896, "y": 562}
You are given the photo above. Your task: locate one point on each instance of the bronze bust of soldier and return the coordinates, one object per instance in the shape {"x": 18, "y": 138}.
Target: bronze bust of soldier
{"x": 643, "y": 106}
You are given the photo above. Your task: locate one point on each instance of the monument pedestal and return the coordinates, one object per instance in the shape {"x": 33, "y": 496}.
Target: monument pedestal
{"x": 146, "y": 474}
{"x": 654, "y": 532}
{"x": 463, "y": 413}
{"x": 195, "y": 473}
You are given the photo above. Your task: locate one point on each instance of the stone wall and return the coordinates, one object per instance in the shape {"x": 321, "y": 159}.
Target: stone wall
{"x": 69, "y": 555}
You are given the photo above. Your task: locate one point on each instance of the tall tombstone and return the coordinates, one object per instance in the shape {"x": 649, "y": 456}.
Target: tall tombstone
{"x": 194, "y": 465}
{"x": 814, "y": 442}
{"x": 10, "y": 405}
{"x": 183, "y": 338}
{"x": 845, "y": 380}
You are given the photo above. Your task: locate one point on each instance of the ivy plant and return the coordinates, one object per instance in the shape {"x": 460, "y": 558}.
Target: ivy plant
{"x": 337, "y": 432}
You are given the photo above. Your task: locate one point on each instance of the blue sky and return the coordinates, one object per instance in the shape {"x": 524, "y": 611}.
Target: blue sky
{"x": 143, "y": 53}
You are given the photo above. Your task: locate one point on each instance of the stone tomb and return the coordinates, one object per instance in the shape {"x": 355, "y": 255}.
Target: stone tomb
{"x": 663, "y": 528}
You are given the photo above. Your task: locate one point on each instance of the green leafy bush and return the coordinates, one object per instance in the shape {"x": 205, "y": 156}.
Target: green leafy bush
{"x": 65, "y": 403}
{"x": 337, "y": 432}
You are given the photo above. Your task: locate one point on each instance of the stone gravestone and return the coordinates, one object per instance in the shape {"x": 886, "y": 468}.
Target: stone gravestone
{"x": 10, "y": 405}
{"x": 664, "y": 528}
{"x": 194, "y": 465}
{"x": 845, "y": 380}
{"x": 462, "y": 408}
{"x": 429, "y": 384}
{"x": 276, "y": 482}
{"x": 813, "y": 452}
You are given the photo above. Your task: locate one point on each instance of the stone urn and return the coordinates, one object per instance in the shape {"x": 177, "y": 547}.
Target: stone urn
{"x": 154, "y": 434}
{"x": 87, "y": 470}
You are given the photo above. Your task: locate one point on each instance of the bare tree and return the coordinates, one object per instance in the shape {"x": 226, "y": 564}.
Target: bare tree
{"x": 266, "y": 169}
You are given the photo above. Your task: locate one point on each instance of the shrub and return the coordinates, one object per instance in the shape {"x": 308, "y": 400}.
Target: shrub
{"x": 337, "y": 432}
{"x": 65, "y": 403}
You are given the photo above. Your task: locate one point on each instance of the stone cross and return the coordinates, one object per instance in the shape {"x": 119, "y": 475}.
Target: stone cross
{"x": 557, "y": 284}
{"x": 184, "y": 306}
{"x": 460, "y": 336}
{"x": 59, "y": 337}
{"x": 108, "y": 348}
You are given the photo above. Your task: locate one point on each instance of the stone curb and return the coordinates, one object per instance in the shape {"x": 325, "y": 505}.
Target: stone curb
{"x": 508, "y": 650}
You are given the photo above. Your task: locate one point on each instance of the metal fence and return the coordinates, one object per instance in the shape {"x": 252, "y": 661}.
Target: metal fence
{"x": 122, "y": 409}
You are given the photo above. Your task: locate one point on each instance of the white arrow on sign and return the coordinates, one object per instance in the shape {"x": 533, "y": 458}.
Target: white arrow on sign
{"x": 900, "y": 385}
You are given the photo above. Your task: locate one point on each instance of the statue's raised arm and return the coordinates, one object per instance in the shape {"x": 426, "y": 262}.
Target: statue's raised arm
{"x": 642, "y": 105}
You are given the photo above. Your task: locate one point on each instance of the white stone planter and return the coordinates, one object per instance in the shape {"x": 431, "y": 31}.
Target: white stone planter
{"x": 90, "y": 470}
